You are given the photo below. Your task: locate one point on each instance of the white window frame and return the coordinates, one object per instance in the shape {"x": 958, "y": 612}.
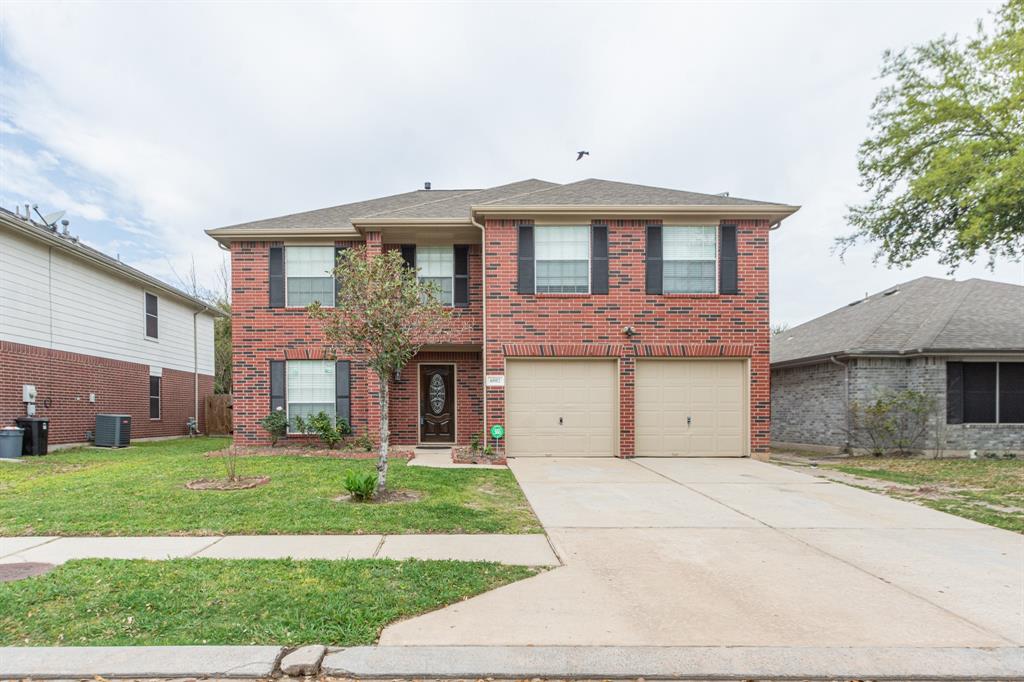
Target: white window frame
{"x": 420, "y": 278}
{"x": 717, "y": 259}
{"x": 158, "y": 374}
{"x": 146, "y": 316}
{"x": 536, "y": 260}
{"x": 334, "y": 296}
{"x": 289, "y": 383}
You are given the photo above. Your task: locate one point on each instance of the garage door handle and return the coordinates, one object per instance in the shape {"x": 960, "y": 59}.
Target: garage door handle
{"x": 559, "y": 421}
{"x": 688, "y": 420}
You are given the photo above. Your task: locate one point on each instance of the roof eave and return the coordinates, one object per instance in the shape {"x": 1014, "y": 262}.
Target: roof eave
{"x": 226, "y": 235}
{"x": 823, "y": 357}
{"x": 363, "y": 224}
{"x": 772, "y": 212}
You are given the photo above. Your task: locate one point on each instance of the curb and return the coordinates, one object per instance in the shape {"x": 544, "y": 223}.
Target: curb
{"x": 140, "y": 661}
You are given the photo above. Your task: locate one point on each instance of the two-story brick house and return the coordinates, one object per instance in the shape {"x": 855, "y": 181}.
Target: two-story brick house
{"x": 592, "y": 318}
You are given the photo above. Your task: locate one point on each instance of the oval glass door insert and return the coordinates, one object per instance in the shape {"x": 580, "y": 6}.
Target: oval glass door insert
{"x": 437, "y": 394}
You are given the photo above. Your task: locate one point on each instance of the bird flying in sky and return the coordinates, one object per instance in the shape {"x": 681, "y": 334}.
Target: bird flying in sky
{"x": 581, "y": 154}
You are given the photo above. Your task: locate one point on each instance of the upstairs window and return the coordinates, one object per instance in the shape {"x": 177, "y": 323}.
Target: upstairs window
{"x": 436, "y": 266}
{"x": 690, "y": 255}
{"x": 311, "y": 389}
{"x": 563, "y": 260}
{"x": 152, "y": 328}
{"x": 310, "y": 274}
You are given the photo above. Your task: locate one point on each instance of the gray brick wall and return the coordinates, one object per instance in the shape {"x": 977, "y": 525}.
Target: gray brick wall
{"x": 808, "y": 404}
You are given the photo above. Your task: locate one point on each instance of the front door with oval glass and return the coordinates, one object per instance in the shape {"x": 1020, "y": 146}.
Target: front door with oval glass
{"x": 437, "y": 404}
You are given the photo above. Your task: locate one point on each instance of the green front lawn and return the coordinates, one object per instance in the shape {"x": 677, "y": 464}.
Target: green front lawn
{"x": 107, "y": 602}
{"x": 985, "y": 490}
{"x": 141, "y": 491}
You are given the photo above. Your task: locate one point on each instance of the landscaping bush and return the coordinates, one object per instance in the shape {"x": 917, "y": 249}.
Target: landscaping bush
{"x": 361, "y": 484}
{"x": 344, "y": 428}
{"x": 896, "y": 421}
{"x": 323, "y": 426}
{"x": 276, "y": 424}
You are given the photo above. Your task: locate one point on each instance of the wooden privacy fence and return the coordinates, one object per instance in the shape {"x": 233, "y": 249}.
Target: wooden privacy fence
{"x": 218, "y": 414}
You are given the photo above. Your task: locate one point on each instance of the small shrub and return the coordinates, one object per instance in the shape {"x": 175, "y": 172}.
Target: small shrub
{"x": 361, "y": 484}
{"x": 276, "y": 424}
{"x": 489, "y": 450}
{"x": 323, "y": 426}
{"x": 363, "y": 443}
{"x": 299, "y": 424}
{"x": 474, "y": 442}
{"x": 344, "y": 428}
{"x": 895, "y": 421}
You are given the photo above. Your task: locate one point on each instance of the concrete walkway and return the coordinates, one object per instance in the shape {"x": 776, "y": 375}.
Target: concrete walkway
{"x": 526, "y": 550}
{"x": 739, "y": 553}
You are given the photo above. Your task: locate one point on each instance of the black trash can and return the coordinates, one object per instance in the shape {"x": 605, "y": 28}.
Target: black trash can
{"x": 37, "y": 431}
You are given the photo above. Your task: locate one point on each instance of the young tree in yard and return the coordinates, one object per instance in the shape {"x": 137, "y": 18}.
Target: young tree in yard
{"x": 945, "y": 161}
{"x": 383, "y": 315}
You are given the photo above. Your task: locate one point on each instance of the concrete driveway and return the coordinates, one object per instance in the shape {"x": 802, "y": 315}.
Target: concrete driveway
{"x": 694, "y": 552}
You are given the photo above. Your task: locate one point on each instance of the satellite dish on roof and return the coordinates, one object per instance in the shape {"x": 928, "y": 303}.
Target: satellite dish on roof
{"x": 51, "y": 218}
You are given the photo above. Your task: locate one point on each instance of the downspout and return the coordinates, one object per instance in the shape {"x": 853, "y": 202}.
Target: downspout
{"x": 195, "y": 362}
{"x": 483, "y": 313}
{"x": 846, "y": 400}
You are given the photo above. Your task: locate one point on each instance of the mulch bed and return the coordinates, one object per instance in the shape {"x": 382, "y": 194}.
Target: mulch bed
{"x": 25, "y": 569}
{"x": 464, "y": 454}
{"x": 241, "y": 483}
{"x": 304, "y": 451}
{"x": 387, "y": 497}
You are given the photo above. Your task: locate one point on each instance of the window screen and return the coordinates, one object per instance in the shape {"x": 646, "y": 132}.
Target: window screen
{"x": 152, "y": 327}
{"x": 154, "y": 397}
{"x": 311, "y": 389}
{"x": 689, "y": 255}
{"x": 979, "y": 392}
{"x": 437, "y": 266}
{"x": 1011, "y": 392}
{"x": 563, "y": 259}
{"x": 309, "y": 271}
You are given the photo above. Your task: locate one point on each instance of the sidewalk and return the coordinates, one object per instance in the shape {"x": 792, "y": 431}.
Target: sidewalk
{"x": 523, "y": 550}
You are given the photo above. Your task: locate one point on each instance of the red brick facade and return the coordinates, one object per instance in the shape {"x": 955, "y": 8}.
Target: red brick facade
{"x": 673, "y": 325}
{"x": 64, "y": 381}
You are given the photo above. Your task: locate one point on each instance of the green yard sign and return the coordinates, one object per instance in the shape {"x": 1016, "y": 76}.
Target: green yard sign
{"x": 497, "y": 431}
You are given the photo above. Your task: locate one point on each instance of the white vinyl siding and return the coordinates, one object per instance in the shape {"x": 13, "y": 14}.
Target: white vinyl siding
{"x": 690, "y": 260}
{"x": 562, "y": 259}
{"x": 311, "y": 388}
{"x": 53, "y": 299}
{"x": 436, "y": 265}
{"x": 309, "y": 271}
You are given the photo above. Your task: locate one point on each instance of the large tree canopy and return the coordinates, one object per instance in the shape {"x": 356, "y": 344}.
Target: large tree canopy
{"x": 944, "y": 165}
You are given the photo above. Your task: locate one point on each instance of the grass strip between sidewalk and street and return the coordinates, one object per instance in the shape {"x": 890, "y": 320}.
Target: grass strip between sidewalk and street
{"x": 107, "y": 602}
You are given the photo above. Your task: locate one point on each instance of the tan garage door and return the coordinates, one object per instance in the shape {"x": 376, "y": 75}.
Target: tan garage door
{"x": 691, "y": 408}
{"x": 561, "y": 408}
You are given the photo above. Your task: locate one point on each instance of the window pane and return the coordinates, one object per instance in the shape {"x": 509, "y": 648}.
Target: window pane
{"x": 150, "y": 304}
{"x": 435, "y": 261}
{"x": 154, "y": 408}
{"x": 310, "y": 388}
{"x": 562, "y": 243}
{"x": 979, "y": 392}
{"x": 151, "y": 326}
{"x": 690, "y": 243}
{"x": 304, "y": 290}
{"x": 309, "y": 270}
{"x": 1011, "y": 392}
{"x": 689, "y": 277}
{"x": 154, "y": 387}
{"x": 562, "y": 277}
{"x": 444, "y": 285}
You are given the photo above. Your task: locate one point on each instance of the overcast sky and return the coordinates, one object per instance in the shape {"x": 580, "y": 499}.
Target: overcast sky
{"x": 150, "y": 122}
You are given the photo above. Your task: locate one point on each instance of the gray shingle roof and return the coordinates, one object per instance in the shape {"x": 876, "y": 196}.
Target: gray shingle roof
{"x": 924, "y": 314}
{"x": 458, "y": 207}
{"x": 597, "y": 192}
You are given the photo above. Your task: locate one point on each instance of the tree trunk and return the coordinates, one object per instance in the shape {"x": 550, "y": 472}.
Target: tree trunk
{"x": 382, "y": 459}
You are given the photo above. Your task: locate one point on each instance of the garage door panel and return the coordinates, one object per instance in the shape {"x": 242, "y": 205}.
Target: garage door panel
{"x": 712, "y": 393}
{"x": 582, "y": 393}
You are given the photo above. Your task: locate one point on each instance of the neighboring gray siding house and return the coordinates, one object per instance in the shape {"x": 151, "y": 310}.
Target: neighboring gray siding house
{"x": 962, "y": 342}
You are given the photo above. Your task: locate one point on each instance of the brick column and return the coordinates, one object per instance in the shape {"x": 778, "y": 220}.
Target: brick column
{"x": 627, "y": 430}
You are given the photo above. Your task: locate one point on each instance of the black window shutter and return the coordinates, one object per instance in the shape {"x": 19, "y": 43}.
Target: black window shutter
{"x": 276, "y": 276}
{"x": 728, "y": 271}
{"x": 653, "y": 258}
{"x": 343, "y": 383}
{"x": 954, "y": 393}
{"x": 526, "y": 274}
{"x": 461, "y": 297}
{"x": 599, "y": 259}
{"x": 409, "y": 255}
{"x": 1011, "y": 392}
{"x": 278, "y": 385}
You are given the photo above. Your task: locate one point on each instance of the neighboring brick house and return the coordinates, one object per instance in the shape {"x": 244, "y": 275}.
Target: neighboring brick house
{"x": 961, "y": 342}
{"x": 95, "y": 336}
{"x": 614, "y": 319}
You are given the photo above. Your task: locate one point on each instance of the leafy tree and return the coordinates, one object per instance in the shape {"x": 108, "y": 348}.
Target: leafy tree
{"x": 383, "y": 315}
{"x": 944, "y": 164}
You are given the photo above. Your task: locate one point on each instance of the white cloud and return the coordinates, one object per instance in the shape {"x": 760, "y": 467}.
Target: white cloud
{"x": 203, "y": 115}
